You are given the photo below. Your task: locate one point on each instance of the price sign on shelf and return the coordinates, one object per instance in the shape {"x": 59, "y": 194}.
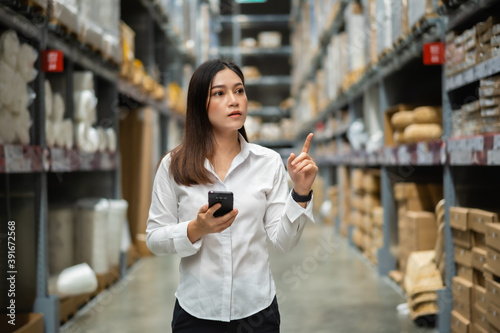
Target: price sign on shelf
{"x": 434, "y": 53}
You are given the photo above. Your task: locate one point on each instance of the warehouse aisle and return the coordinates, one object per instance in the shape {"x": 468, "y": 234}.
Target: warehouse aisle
{"x": 324, "y": 286}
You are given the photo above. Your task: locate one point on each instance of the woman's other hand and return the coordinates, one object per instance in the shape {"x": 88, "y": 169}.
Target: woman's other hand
{"x": 206, "y": 223}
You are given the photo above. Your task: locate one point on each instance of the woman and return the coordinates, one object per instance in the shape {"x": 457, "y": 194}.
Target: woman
{"x": 225, "y": 279}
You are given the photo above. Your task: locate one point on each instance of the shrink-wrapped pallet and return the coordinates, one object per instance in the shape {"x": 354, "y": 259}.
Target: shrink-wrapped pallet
{"x": 117, "y": 221}
{"x": 91, "y": 231}
{"x": 61, "y": 239}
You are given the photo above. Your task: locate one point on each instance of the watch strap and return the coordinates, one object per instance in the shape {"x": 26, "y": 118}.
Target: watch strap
{"x": 301, "y": 198}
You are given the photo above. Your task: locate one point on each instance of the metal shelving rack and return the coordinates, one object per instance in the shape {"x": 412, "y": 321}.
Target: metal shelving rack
{"x": 29, "y": 172}
{"x": 241, "y": 20}
{"x": 445, "y": 158}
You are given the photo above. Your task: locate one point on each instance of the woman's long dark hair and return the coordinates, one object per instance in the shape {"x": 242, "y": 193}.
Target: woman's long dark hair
{"x": 188, "y": 159}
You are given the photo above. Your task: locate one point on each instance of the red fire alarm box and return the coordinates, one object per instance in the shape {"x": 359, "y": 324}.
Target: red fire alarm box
{"x": 52, "y": 61}
{"x": 434, "y": 53}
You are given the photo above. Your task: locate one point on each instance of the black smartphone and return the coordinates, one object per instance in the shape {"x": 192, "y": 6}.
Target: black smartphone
{"x": 225, "y": 198}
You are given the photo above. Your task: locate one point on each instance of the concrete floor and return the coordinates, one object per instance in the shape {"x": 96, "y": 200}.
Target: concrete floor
{"x": 323, "y": 286}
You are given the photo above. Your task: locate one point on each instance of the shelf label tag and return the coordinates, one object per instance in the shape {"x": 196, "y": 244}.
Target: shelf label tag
{"x": 493, "y": 157}
{"x": 424, "y": 155}
{"x": 461, "y": 157}
{"x": 60, "y": 162}
{"x": 14, "y": 159}
{"x": 496, "y": 142}
{"x": 404, "y": 156}
{"x": 434, "y": 53}
{"x": 476, "y": 144}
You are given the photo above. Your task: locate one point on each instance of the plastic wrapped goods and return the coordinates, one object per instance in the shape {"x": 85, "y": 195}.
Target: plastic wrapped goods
{"x": 26, "y": 62}
{"x": 427, "y": 115}
{"x": 22, "y": 124}
{"x": 58, "y": 107}
{"x": 85, "y": 103}
{"x": 48, "y": 99}
{"x": 111, "y": 139}
{"x": 7, "y": 78}
{"x": 76, "y": 280}
{"x": 83, "y": 81}
{"x": 67, "y": 133}
{"x": 91, "y": 224}
{"x": 402, "y": 119}
{"x": 7, "y": 131}
{"x": 423, "y": 132}
{"x": 117, "y": 219}
{"x": 61, "y": 225}
{"x": 9, "y": 48}
{"x": 50, "y": 137}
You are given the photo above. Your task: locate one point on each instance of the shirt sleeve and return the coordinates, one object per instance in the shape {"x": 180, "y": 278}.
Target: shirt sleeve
{"x": 165, "y": 234}
{"x": 285, "y": 219}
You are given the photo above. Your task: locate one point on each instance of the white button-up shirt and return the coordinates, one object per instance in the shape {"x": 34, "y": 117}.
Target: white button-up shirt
{"x": 226, "y": 276}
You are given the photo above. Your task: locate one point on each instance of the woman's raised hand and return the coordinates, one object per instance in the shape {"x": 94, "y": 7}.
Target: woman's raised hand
{"x": 302, "y": 169}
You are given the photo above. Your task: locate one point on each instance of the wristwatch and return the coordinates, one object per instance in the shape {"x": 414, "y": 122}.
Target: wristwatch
{"x": 301, "y": 198}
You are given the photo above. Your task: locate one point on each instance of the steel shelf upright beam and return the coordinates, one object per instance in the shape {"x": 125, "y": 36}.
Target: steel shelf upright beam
{"x": 445, "y": 297}
{"x": 386, "y": 259}
{"x": 44, "y": 303}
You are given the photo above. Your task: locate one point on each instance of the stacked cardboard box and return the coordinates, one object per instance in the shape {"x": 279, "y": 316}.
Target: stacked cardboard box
{"x": 366, "y": 211}
{"x": 470, "y": 47}
{"x": 481, "y": 116}
{"x": 469, "y": 229}
{"x": 492, "y": 275}
{"x": 417, "y": 226}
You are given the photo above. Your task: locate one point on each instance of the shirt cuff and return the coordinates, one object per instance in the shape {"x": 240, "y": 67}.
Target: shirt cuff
{"x": 294, "y": 210}
{"x": 182, "y": 244}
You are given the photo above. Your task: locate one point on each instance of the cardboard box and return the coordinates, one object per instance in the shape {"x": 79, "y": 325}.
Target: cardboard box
{"x": 459, "y": 218}
{"x": 493, "y": 261}
{"x": 493, "y": 235}
{"x": 493, "y": 315}
{"x": 478, "y": 218}
{"x": 480, "y": 317}
{"x": 478, "y": 277}
{"x": 476, "y": 328}
{"x": 462, "y": 238}
{"x": 459, "y": 324}
{"x": 465, "y": 272}
{"x": 463, "y": 308}
{"x": 479, "y": 297}
{"x": 479, "y": 258}
{"x": 492, "y": 292}
{"x": 463, "y": 256}
{"x": 422, "y": 227}
{"x": 462, "y": 290}
{"x": 479, "y": 239}
{"x": 24, "y": 323}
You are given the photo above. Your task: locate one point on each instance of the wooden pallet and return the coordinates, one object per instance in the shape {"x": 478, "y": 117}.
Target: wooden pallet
{"x": 70, "y": 305}
{"x": 421, "y": 23}
{"x": 62, "y": 30}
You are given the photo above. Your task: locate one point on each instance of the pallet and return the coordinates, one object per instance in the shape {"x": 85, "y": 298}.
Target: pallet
{"x": 422, "y": 22}
{"x": 70, "y": 305}
{"x": 62, "y": 30}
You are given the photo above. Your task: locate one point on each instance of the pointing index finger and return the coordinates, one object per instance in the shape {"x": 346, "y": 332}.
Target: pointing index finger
{"x": 307, "y": 144}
